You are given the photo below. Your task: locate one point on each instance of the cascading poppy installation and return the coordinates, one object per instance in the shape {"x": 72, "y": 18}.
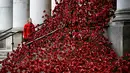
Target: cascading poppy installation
{"x": 73, "y": 42}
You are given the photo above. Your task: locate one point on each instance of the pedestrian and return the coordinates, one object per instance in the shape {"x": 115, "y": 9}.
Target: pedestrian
{"x": 28, "y": 31}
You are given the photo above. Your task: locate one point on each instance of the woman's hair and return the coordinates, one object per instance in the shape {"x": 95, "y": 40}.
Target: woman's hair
{"x": 29, "y": 20}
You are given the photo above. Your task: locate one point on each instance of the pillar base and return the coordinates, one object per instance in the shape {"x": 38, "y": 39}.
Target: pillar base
{"x": 122, "y": 15}
{"x": 119, "y": 32}
{"x": 119, "y": 35}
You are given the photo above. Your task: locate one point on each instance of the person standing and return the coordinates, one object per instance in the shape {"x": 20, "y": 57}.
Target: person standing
{"x": 28, "y": 30}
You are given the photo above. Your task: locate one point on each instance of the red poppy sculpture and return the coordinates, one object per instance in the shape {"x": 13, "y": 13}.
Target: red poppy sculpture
{"x": 71, "y": 41}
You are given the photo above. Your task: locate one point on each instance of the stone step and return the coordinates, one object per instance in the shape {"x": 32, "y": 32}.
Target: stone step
{"x": 3, "y": 54}
{"x": 5, "y": 50}
{"x": 2, "y": 57}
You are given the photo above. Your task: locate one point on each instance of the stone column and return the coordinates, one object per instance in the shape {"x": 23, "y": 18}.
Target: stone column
{"x": 119, "y": 30}
{"x": 36, "y": 10}
{"x": 20, "y": 17}
{"x": 6, "y": 14}
{"x": 6, "y": 21}
{"x": 20, "y": 13}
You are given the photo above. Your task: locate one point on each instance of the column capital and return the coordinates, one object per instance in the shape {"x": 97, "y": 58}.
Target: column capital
{"x": 122, "y": 15}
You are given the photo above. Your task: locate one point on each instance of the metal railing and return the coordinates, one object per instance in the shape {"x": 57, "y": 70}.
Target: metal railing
{"x": 7, "y": 35}
{"x": 36, "y": 28}
{"x": 41, "y": 37}
{"x": 30, "y": 42}
{"x": 5, "y": 31}
{"x": 1, "y": 36}
{"x": 12, "y": 33}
